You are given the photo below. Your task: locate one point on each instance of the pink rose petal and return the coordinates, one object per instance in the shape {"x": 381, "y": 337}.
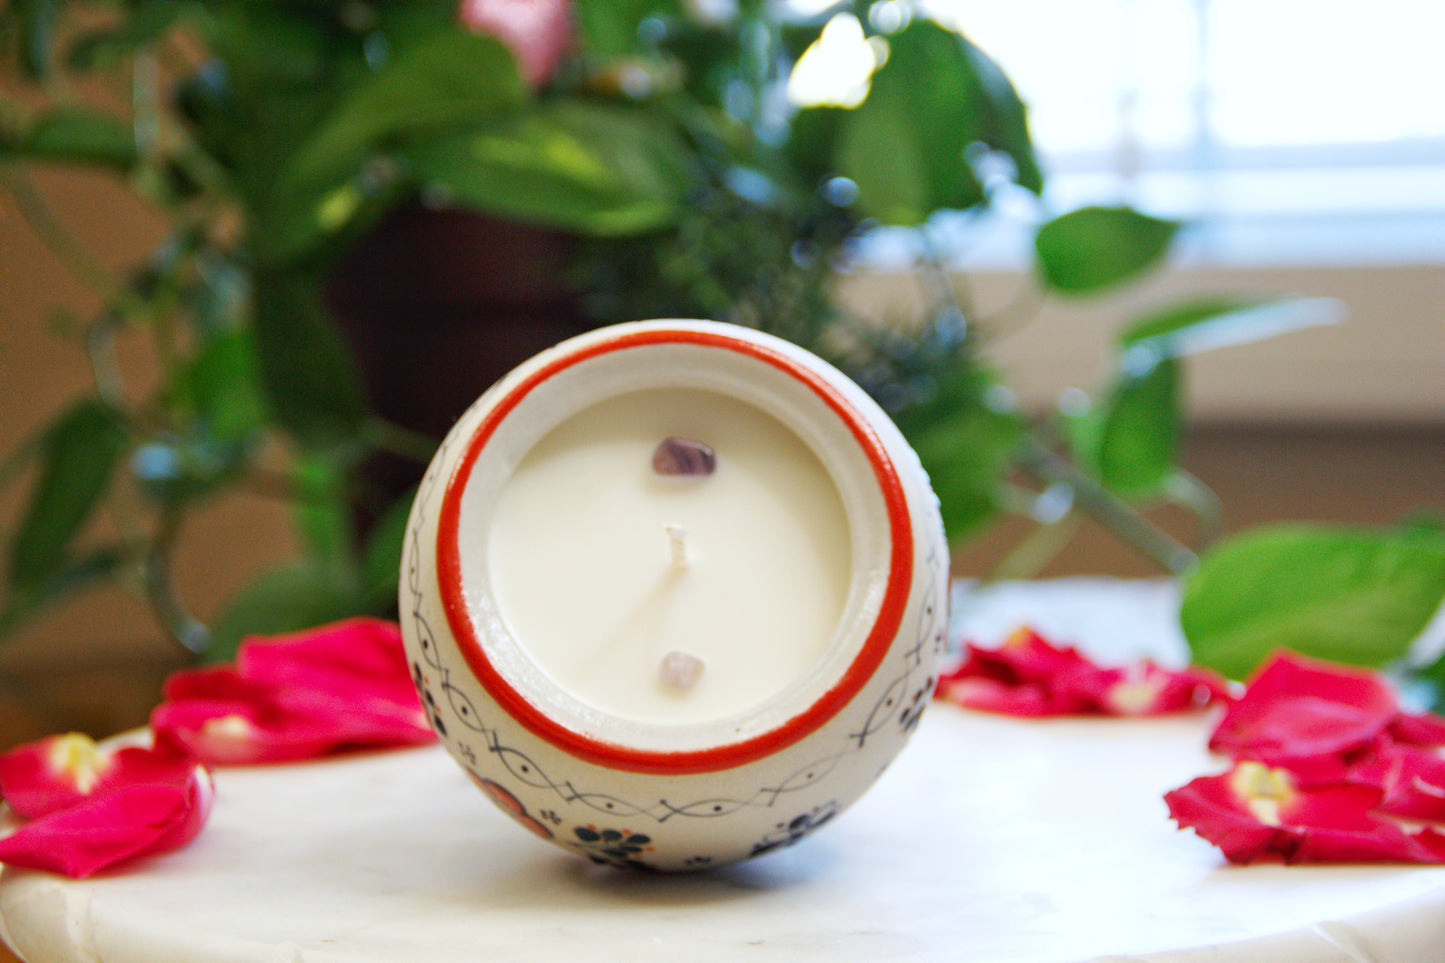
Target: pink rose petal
{"x": 1300, "y": 709}
{"x": 233, "y": 736}
{"x": 1326, "y": 763}
{"x": 108, "y": 827}
{"x": 1412, "y": 781}
{"x": 990, "y": 695}
{"x": 1254, "y": 813}
{"x": 57, "y": 772}
{"x": 1030, "y": 676}
{"x": 297, "y": 696}
{"x": 1420, "y": 729}
{"x": 538, "y": 32}
{"x": 1146, "y": 689}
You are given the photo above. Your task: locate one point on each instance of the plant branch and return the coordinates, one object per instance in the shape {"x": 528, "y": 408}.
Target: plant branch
{"x": 105, "y": 367}
{"x": 188, "y": 632}
{"x": 1031, "y": 554}
{"x": 1123, "y": 521}
{"x": 394, "y": 439}
{"x": 1200, "y": 499}
{"x": 74, "y": 255}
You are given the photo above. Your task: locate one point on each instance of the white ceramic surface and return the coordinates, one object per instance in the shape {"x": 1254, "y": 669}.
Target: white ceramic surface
{"x": 992, "y": 840}
{"x": 701, "y": 793}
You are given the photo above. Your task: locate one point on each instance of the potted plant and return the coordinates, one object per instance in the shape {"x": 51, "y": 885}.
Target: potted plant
{"x": 334, "y": 173}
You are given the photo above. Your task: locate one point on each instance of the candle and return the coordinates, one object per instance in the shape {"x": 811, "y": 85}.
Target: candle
{"x": 649, "y": 564}
{"x": 679, "y": 583}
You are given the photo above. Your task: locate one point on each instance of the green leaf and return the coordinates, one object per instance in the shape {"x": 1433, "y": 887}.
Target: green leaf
{"x": 1003, "y": 120}
{"x": 283, "y": 599}
{"x": 77, "y": 459}
{"x": 1097, "y": 247}
{"x": 37, "y": 20}
{"x": 310, "y": 381}
{"x": 323, "y": 514}
{"x": 904, "y": 145}
{"x": 451, "y": 79}
{"x": 217, "y": 409}
{"x": 964, "y": 446}
{"x": 224, "y": 384}
{"x": 266, "y": 47}
{"x": 710, "y": 56}
{"x": 608, "y": 28}
{"x": 594, "y": 168}
{"x": 813, "y": 137}
{"x": 143, "y": 24}
{"x": 1218, "y": 322}
{"x": 1139, "y": 431}
{"x": 1353, "y": 596}
{"x": 406, "y": 25}
{"x": 381, "y": 556}
{"x": 74, "y": 135}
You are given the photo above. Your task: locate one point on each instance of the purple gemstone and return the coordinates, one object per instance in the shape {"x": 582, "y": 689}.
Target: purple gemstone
{"x": 679, "y": 456}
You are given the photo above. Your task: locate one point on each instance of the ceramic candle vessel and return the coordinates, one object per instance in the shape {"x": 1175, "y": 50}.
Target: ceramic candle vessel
{"x": 673, "y": 593}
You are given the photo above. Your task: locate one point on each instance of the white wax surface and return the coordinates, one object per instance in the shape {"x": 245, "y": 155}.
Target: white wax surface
{"x": 582, "y": 570}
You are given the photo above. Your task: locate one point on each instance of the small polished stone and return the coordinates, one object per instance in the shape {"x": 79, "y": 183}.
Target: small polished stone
{"x": 681, "y": 670}
{"x": 680, "y": 456}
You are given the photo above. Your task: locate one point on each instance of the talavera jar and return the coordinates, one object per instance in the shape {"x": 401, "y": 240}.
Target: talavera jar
{"x": 674, "y": 592}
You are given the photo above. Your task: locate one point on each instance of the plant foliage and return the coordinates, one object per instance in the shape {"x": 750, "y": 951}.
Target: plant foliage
{"x": 275, "y": 135}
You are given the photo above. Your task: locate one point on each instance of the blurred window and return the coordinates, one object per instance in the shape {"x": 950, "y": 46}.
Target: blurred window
{"x": 1288, "y": 131}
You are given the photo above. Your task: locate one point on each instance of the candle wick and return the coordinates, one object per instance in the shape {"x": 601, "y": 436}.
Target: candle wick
{"x": 677, "y": 540}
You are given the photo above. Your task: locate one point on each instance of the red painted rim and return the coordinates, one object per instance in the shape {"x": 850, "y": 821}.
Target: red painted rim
{"x": 599, "y": 751}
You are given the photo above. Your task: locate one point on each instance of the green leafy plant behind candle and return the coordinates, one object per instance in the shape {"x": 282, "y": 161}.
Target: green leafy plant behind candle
{"x": 656, "y": 146}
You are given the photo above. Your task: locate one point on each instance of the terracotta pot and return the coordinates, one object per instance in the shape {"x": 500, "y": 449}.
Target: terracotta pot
{"x": 437, "y": 305}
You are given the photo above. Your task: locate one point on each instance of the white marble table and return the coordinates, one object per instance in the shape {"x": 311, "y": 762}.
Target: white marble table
{"x": 990, "y": 839}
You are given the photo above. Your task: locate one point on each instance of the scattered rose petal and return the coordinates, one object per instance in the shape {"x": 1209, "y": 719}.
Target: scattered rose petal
{"x": 359, "y": 657}
{"x": 112, "y": 826}
{"x": 1257, "y": 813}
{"x": 297, "y": 696}
{"x": 1309, "y": 713}
{"x": 1319, "y": 720}
{"x": 58, "y": 772}
{"x": 1410, "y": 779}
{"x": 538, "y": 32}
{"x": 1418, "y": 729}
{"x": 990, "y": 695}
{"x": 1325, "y": 764}
{"x": 1030, "y": 676}
{"x": 91, "y": 806}
{"x": 1146, "y": 689}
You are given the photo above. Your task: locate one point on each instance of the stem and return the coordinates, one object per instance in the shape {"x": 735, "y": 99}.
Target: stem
{"x": 105, "y": 367}
{"x": 188, "y": 632}
{"x": 74, "y": 255}
{"x": 945, "y": 293}
{"x": 1123, "y": 521}
{"x": 397, "y": 440}
{"x": 1200, "y": 499}
{"x": 145, "y": 101}
{"x": 1034, "y": 552}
